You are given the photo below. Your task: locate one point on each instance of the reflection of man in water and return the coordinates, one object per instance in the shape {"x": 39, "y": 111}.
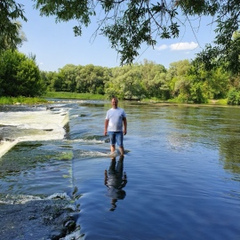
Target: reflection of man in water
{"x": 115, "y": 180}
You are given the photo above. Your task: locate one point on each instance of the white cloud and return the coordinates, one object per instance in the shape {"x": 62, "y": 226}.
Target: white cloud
{"x": 178, "y": 46}
{"x": 162, "y": 47}
{"x": 183, "y": 46}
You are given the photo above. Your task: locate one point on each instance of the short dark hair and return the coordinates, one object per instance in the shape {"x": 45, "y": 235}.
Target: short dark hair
{"x": 114, "y": 97}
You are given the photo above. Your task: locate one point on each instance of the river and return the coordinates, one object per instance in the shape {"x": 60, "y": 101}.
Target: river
{"x": 179, "y": 178}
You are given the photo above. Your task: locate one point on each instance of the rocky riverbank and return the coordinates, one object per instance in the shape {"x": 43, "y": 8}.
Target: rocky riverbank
{"x": 38, "y": 219}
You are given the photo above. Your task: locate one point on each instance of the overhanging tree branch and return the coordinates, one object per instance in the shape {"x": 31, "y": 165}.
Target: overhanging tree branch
{"x": 130, "y": 23}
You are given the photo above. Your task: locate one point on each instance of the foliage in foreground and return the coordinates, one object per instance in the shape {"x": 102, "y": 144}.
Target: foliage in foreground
{"x": 130, "y": 23}
{"x": 10, "y": 34}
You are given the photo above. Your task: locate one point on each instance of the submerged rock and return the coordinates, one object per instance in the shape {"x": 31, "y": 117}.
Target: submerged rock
{"x": 40, "y": 219}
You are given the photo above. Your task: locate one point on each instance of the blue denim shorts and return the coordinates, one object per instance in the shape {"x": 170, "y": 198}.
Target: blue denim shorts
{"x": 116, "y": 137}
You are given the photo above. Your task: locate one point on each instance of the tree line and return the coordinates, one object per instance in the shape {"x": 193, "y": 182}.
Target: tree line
{"x": 184, "y": 81}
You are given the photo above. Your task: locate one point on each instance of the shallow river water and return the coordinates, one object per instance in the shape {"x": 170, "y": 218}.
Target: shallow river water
{"x": 179, "y": 178}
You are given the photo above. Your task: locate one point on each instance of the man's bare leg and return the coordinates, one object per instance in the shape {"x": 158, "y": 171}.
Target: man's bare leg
{"x": 121, "y": 149}
{"x": 112, "y": 148}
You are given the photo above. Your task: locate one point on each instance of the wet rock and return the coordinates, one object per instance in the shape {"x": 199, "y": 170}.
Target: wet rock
{"x": 41, "y": 219}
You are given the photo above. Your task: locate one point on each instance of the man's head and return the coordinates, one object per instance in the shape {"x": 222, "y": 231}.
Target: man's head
{"x": 114, "y": 102}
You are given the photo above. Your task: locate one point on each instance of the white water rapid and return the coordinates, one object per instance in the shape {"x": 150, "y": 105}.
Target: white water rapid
{"x": 39, "y": 125}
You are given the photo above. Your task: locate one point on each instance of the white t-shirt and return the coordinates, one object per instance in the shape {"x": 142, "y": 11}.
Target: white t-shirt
{"x": 115, "y": 117}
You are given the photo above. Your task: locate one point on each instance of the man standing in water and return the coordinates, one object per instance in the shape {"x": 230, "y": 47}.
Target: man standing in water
{"x": 116, "y": 126}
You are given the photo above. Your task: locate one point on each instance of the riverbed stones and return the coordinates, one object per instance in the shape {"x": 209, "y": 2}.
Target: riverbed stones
{"x": 38, "y": 219}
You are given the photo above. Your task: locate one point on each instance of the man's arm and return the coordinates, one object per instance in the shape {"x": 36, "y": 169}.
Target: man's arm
{"x": 106, "y": 126}
{"x": 124, "y": 125}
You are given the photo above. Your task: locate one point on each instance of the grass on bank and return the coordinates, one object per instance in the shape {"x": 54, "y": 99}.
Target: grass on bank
{"x": 21, "y": 100}
{"x": 84, "y": 96}
{"x": 219, "y": 102}
{"x": 177, "y": 101}
{"x": 69, "y": 95}
{"x": 40, "y": 100}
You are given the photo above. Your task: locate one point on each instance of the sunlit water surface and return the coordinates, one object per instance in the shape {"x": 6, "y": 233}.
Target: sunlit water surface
{"x": 182, "y": 165}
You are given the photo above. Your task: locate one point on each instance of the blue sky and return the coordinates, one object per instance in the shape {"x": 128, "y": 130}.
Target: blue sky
{"x": 55, "y": 45}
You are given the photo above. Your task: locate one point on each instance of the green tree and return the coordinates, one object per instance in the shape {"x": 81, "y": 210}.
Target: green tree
{"x": 90, "y": 79}
{"x": 177, "y": 77}
{"x": 154, "y": 80}
{"x": 58, "y": 82}
{"x": 50, "y": 79}
{"x": 234, "y": 97}
{"x": 19, "y": 75}
{"x": 219, "y": 83}
{"x": 81, "y": 79}
{"x": 216, "y": 81}
{"x": 126, "y": 83}
{"x": 131, "y": 84}
{"x": 69, "y": 74}
{"x": 10, "y": 33}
